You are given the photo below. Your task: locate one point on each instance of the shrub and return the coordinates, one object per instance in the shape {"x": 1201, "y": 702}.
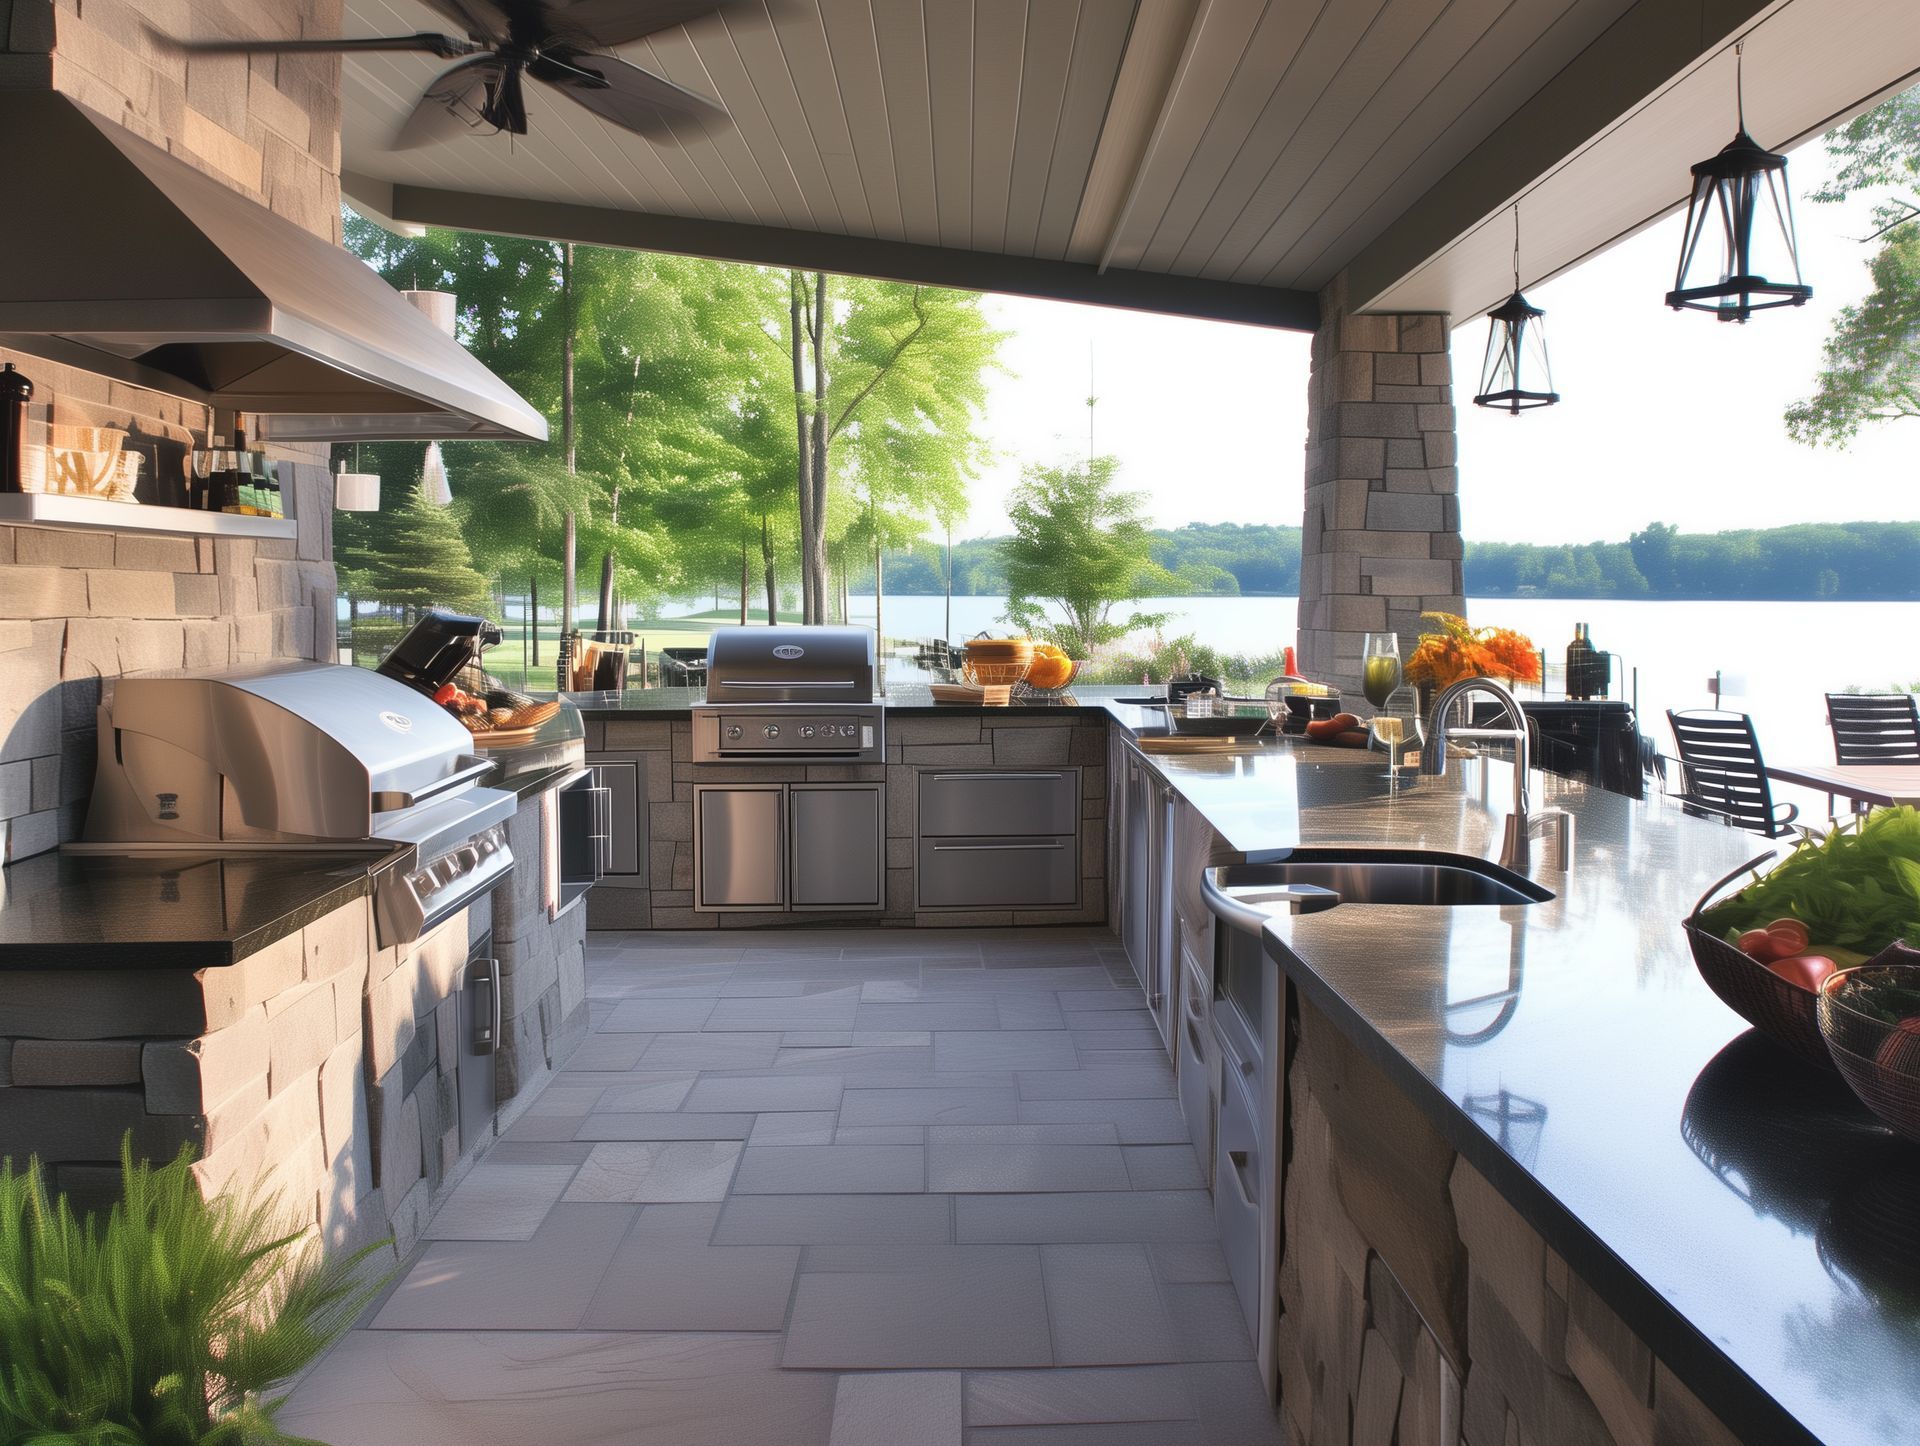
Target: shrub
{"x": 163, "y": 1323}
{"x": 1164, "y": 658}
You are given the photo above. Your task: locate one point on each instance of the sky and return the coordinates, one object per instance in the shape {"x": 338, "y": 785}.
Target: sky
{"x": 1666, "y": 416}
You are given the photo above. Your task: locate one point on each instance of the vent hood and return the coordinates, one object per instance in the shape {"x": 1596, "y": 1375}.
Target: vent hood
{"x": 121, "y": 259}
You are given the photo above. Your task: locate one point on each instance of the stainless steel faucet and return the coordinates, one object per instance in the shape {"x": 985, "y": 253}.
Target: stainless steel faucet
{"x": 1523, "y": 825}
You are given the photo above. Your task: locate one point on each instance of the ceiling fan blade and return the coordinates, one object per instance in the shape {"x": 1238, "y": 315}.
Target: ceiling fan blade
{"x": 483, "y": 19}
{"x": 454, "y": 105}
{"x": 629, "y": 97}
{"x": 606, "y": 23}
{"x": 426, "y": 42}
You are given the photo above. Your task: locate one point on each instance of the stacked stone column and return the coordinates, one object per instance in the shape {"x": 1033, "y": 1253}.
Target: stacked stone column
{"x": 1380, "y": 540}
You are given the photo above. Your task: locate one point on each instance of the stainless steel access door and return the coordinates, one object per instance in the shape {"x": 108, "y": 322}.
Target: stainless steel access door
{"x": 740, "y": 846}
{"x": 838, "y": 833}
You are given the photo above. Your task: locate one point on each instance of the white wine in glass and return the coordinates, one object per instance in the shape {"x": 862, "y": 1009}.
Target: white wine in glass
{"x": 1380, "y": 667}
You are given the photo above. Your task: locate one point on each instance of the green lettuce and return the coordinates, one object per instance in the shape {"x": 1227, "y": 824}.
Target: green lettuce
{"x": 1858, "y": 888}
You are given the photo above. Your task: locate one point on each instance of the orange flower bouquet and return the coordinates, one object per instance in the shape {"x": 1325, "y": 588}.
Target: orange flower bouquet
{"x": 1459, "y": 650}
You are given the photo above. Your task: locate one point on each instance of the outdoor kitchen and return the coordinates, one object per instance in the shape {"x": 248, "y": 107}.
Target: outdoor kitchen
{"x": 820, "y": 1039}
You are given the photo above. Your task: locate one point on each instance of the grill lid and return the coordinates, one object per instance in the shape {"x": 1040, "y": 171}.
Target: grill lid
{"x": 790, "y": 665}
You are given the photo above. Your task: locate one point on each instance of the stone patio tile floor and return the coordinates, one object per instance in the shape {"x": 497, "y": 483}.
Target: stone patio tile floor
{"x": 823, "y": 1188}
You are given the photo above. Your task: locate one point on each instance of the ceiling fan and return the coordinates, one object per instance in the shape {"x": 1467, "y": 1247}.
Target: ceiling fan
{"x": 509, "y": 42}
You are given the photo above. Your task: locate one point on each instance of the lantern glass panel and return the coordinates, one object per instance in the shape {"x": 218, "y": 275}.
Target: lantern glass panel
{"x": 1740, "y": 254}
{"x": 1515, "y": 374}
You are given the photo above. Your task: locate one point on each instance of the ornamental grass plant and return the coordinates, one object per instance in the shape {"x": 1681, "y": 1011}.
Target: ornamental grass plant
{"x": 165, "y": 1321}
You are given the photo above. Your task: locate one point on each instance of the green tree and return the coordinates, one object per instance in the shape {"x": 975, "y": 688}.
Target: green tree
{"x": 1080, "y": 546}
{"x": 1870, "y": 365}
{"x": 873, "y": 364}
{"x": 424, "y": 562}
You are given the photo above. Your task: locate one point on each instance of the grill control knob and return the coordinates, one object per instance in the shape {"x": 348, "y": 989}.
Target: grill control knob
{"x": 806, "y": 730}
{"x": 846, "y": 730}
{"x": 733, "y": 730}
{"x": 772, "y": 730}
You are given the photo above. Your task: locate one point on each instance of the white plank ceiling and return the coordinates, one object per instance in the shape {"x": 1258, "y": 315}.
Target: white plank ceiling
{"x": 1286, "y": 131}
{"x": 1257, "y": 142}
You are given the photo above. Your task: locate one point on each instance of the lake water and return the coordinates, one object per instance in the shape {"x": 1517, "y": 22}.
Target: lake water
{"x": 1777, "y": 657}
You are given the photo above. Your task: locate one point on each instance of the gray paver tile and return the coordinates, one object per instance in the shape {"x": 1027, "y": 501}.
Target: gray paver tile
{"x": 831, "y": 1170}
{"x": 1017, "y": 1049}
{"x": 500, "y": 1201}
{"x": 973, "y": 1168}
{"x": 1072, "y": 1397}
{"x": 543, "y": 1283}
{"x": 887, "y": 1408}
{"x": 937, "y": 1106}
{"x": 946, "y": 1309}
{"x": 1105, "y": 1306}
{"x": 648, "y": 1170}
{"x": 835, "y": 1220}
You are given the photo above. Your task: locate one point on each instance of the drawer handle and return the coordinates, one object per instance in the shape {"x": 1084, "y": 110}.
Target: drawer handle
{"x": 973, "y": 777}
{"x": 1193, "y": 1038}
{"x": 992, "y": 848}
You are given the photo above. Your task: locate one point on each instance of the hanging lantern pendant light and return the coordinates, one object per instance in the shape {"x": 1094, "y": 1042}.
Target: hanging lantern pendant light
{"x": 1725, "y": 262}
{"x": 1515, "y": 376}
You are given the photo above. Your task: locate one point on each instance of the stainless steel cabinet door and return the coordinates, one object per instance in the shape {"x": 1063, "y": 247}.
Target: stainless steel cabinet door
{"x": 740, "y": 846}
{"x": 838, "y": 845}
{"x": 624, "y": 776}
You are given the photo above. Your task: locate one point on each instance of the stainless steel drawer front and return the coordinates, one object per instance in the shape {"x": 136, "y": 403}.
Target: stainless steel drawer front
{"x": 1237, "y": 1172}
{"x": 999, "y": 873}
{"x": 1004, "y": 802}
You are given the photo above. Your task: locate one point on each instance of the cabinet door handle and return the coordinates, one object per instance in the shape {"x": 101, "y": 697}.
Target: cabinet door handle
{"x": 1193, "y": 1038}
{"x": 995, "y": 848}
{"x": 1193, "y": 1007}
{"x": 974, "y": 777}
{"x": 1239, "y": 1160}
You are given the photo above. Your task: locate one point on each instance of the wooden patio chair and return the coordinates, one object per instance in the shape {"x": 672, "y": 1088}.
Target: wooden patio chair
{"x": 1722, "y": 775}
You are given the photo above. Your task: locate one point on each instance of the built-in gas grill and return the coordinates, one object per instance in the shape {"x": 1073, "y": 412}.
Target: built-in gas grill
{"x": 785, "y": 694}
{"x": 291, "y": 756}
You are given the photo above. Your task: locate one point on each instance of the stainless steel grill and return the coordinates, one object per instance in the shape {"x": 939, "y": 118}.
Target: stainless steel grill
{"x": 291, "y": 756}
{"x": 783, "y": 694}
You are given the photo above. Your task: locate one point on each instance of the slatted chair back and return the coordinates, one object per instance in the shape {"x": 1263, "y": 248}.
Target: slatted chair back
{"x": 1874, "y": 727}
{"x": 1722, "y": 774}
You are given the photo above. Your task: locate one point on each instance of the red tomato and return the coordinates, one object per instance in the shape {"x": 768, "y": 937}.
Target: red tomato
{"x": 1760, "y": 944}
{"x": 1791, "y": 935}
{"x": 1804, "y": 970}
{"x": 445, "y": 693}
{"x": 1899, "y": 1052}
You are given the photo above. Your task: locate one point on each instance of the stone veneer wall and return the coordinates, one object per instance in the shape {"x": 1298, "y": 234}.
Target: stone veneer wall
{"x": 76, "y": 606}
{"x": 543, "y": 964}
{"x": 664, "y": 899}
{"x": 1380, "y": 541}
{"x": 320, "y": 1066}
{"x": 1406, "y": 1274}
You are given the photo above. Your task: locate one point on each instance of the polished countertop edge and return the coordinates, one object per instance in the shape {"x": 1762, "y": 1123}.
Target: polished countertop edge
{"x": 215, "y": 950}
{"x": 1743, "y": 1403}
{"x": 669, "y": 704}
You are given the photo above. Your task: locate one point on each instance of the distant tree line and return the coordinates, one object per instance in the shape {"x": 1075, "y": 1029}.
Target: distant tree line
{"x": 1869, "y": 561}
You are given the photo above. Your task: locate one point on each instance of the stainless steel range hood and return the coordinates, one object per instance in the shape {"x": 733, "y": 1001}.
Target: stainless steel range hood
{"x": 121, "y": 259}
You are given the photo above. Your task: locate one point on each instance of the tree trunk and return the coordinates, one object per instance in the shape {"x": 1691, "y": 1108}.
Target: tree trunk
{"x": 879, "y": 633}
{"x": 744, "y": 575}
{"x": 567, "y": 441}
{"x": 798, "y": 330}
{"x": 533, "y": 616}
{"x": 773, "y": 576}
{"x": 815, "y": 560}
{"x": 947, "y": 637}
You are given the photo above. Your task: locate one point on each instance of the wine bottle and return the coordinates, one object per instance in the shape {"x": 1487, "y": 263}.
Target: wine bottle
{"x": 1599, "y": 669}
{"x": 1579, "y": 663}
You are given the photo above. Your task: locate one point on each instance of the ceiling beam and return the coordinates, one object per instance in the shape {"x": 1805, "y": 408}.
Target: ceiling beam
{"x": 1642, "y": 51}
{"x": 407, "y": 205}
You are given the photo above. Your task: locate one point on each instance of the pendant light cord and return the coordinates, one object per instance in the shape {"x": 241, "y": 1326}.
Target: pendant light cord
{"x": 1740, "y": 82}
{"x": 1516, "y": 246}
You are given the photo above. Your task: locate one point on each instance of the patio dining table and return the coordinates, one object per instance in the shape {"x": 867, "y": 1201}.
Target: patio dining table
{"x": 1880, "y": 784}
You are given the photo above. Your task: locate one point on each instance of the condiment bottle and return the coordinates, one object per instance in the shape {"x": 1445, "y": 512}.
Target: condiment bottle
{"x": 15, "y": 392}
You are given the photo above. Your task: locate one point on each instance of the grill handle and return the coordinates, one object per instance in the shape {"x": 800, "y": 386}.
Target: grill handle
{"x": 471, "y": 770}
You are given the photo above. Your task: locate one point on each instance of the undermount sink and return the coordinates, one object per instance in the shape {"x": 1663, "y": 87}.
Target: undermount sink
{"x": 1313, "y": 879}
{"x": 1144, "y": 702}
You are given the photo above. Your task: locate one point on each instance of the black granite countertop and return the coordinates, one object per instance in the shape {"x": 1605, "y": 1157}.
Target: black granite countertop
{"x": 176, "y": 911}
{"x": 1743, "y": 1213}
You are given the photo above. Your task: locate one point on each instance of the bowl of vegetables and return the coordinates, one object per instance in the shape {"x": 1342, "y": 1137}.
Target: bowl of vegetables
{"x": 1870, "y": 1018}
{"x": 1832, "y": 903}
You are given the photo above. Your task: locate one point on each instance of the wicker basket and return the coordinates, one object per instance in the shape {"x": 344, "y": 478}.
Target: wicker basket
{"x": 1027, "y": 690}
{"x": 997, "y": 662}
{"x": 1879, "y": 1059}
{"x": 1785, "y": 1013}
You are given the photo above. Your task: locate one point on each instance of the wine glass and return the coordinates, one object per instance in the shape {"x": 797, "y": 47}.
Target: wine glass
{"x": 1396, "y": 728}
{"x": 1380, "y": 667}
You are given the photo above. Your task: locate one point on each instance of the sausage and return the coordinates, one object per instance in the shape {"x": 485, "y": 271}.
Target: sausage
{"x": 1326, "y": 728}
